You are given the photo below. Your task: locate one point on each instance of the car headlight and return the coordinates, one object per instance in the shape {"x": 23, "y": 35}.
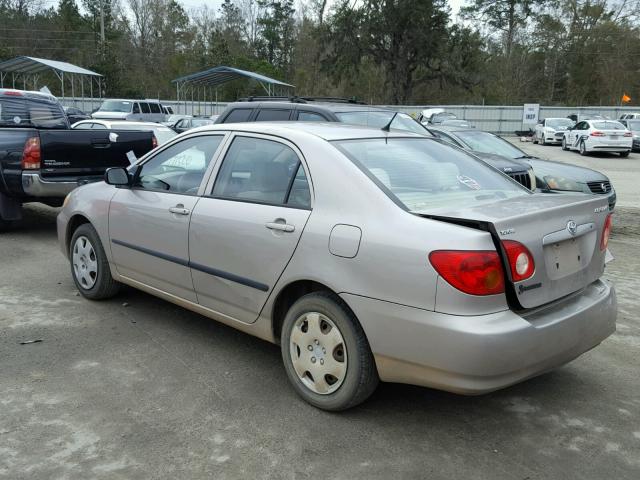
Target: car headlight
{"x": 563, "y": 184}
{"x": 532, "y": 176}
{"x": 636, "y": 136}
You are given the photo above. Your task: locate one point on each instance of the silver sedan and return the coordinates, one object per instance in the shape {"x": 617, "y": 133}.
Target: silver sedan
{"x": 367, "y": 255}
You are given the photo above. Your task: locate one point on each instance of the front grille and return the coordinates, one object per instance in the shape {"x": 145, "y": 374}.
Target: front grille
{"x": 600, "y": 187}
{"x": 522, "y": 178}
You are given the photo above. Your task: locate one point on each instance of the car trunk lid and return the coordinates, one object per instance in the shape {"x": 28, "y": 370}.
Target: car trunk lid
{"x": 562, "y": 232}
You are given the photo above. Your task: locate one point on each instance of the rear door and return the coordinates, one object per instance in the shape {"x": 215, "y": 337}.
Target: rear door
{"x": 245, "y": 230}
{"x": 89, "y": 152}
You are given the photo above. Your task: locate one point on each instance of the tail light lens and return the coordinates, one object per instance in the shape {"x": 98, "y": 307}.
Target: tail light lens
{"x": 154, "y": 141}
{"x": 13, "y": 93}
{"x": 628, "y": 134}
{"x": 472, "y": 272}
{"x": 597, "y": 134}
{"x": 31, "y": 156}
{"x": 521, "y": 261}
{"x": 606, "y": 232}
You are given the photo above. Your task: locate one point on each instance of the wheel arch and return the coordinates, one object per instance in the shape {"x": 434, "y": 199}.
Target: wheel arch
{"x": 72, "y": 225}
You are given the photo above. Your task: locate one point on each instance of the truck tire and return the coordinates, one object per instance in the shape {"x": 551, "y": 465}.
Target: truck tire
{"x": 624, "y": 154}
{"x": 5, "y": 225}
{"x": 89, "y": 265}
{"x": 326, "y": 354}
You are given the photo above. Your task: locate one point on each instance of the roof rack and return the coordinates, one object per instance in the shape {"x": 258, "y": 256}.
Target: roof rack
{"x": 300, "y": 99}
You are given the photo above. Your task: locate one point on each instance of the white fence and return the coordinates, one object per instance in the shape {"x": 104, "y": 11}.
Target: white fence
{"x": 492, "y": 118}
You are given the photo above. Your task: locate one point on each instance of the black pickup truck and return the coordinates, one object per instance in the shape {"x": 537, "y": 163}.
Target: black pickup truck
{"x": 42, "y": 159}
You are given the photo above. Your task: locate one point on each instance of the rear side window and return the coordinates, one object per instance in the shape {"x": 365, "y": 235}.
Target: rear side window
{"x": 310, "y": 117}
{"x": 238, "y": 115}
{"x": 136, "y": 108}
{"x": 270, "y": 115}
{"x": 155, "y": 108}
{"x": 422, "y": 175}
{"x": 20, "y": 111}
{"x": 145, "y": 107}
{"x": 262, "y": 171}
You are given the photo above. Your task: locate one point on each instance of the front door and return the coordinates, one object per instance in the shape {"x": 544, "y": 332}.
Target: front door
{"x": 245, "y": 231}
{"x": 149, "y": 223}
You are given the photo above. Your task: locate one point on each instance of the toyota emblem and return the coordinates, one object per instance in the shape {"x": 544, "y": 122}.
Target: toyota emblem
{"x": 572, "y": 227}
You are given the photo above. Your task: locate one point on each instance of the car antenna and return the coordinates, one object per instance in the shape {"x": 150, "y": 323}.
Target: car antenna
{"x": 387, "y": 127}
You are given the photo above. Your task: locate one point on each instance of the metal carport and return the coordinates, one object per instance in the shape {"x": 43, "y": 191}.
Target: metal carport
{"x": 27, "y": 70}
{"x": 204, "y": 84}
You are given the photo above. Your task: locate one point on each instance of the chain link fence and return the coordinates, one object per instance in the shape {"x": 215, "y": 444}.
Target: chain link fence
{"x": 492, "y": 118}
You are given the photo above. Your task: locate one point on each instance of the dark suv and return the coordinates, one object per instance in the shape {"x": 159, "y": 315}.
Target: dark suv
{"x": 328, "y": 109}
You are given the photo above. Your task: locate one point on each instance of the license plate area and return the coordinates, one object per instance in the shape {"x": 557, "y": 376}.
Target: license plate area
{"x": 569, "y": 256}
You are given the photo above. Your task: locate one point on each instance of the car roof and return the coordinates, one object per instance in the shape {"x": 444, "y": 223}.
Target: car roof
{"x": 325, "y": 130}
{"x": 454, "y": 128}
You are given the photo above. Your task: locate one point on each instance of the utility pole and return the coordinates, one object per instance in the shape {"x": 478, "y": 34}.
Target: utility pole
{"x": 102, "y": 22}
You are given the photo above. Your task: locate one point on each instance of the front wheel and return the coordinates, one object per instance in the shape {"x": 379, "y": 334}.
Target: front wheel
{"x": 624, "y": 154}
{"x": 543, "y": 142}
{"x": 564, "y": 144}
{"x": 89, "y": 265}
{"x": 583, "y": 148}
{"x": 326, "y": 353}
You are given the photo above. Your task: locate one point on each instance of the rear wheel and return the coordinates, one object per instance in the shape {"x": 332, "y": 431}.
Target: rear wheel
{"x": 564, "y": 144}
{"x": 543, "y": 142}
{"x": 624, "y": 154}
{"x": 89, "y": 266}
{"x": 535, "y": 139}
{"x": 583, "y": 148}
{"x": 326, "y": 354}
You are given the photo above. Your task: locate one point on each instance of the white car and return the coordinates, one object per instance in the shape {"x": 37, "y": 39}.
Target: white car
{"x": 598, "y": 136}
{"x": 161, "y": 133}
{"x": 551, "y": 130}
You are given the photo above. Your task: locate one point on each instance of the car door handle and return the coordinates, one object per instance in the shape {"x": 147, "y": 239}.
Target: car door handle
{"x": 280, "y": 226}
{"x": 179, "y": 210}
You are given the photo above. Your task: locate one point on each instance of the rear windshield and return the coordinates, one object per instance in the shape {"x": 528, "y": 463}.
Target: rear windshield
{"x": 423, "y": 175}
{"x": 484, "y": 142}
{"x": 116, "y": 106}
{"x": 20, "y": 111}
{"x": 608, "y": 125}
{"x": 378, "y": 119}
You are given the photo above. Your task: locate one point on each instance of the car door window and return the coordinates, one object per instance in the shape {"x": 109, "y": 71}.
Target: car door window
{"x": 238, "y": 115}
{"x": 179, "y": 168}
{"x": 155, "y": 108}
{"x": 145, "y": 107}
{"x": 262, "y": 171}
{"x": 83, "y": 126}
{"x": 310, "y": 117}
{"x": 98, "y": 126}
{"x": 272, "y": 115}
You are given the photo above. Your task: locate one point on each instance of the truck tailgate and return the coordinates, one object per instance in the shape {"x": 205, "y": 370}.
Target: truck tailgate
{"x": 73, "y": 153}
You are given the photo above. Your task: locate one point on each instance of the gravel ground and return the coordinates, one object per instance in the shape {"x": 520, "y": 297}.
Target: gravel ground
{"x": 136, "y": 388}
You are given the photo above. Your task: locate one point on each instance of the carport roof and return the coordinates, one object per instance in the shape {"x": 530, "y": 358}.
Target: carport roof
{"x": 25, "y": 64}
{"x": 223, "y": 74}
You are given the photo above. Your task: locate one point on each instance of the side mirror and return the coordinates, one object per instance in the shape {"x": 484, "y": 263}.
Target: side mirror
{"x": 117, "y": 176}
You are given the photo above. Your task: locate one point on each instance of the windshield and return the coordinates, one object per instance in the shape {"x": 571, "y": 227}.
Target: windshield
{"x": 558, "y": 122}
{"x": 610, "y": 125}
{"x": 116, "y": 106}
{"x": 379, "y": 119}
{"x": 484, "y": 142}
{"x": 200, "y": 122}
{"x": 423, "y": 175}
{"x": 20, "y": 111}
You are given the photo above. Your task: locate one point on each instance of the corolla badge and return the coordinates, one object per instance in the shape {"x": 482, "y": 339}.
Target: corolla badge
{"x": 572, "y": 227}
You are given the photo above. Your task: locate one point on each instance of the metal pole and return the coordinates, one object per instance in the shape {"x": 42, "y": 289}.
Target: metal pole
{"x": 13, "y": 79}
{"x": 82, "y": 91}
{"x": 62, "y": 80}
{"x": 102, "y": 22}
{"x": 73, "y": 93}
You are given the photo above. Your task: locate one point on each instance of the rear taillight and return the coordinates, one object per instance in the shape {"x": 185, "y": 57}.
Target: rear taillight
{"x": 472, "y": 272}
{"x": 154, "y": 141}
{"x": 13, "y": 93}
{"x": 628, "y": 134}
{"x": 606, "y": 232}
{"x": 597, "y": 134}
{"x": 521, "y": 261}
{"x": 31, "y": 156}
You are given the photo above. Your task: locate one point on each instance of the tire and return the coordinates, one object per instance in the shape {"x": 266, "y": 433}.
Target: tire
{"x": 89, "y": 266}
{"x": 354, "y": 376}
{"x": 5, "y": 225}
{"x": 564, "y": 144}
{"x": 583, "y": 149}
{"x": 543, "y": 142}
{"x": 624, "y": 154}
{"x": 535, "y": 139}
